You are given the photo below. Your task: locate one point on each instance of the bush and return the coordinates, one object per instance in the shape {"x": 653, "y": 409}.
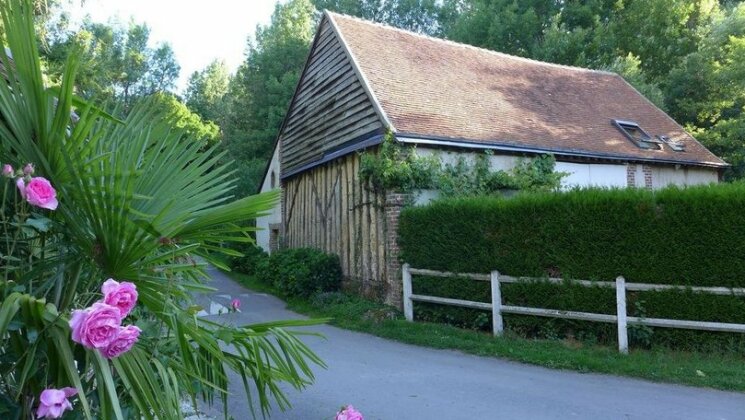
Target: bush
{"x": 693, "y": 236}
{"x": 302, "y": 272}
{"x": 253, "y": 258}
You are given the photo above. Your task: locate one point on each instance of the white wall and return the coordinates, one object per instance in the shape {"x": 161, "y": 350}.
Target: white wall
{"x": 496, "y": 162}
{"x": 663, "y": 176}
{"x": 580, "y": 174}
{"x": 586, "y": 174}
{"x": 262, "y": 236}
{"x": 592, "y": 175}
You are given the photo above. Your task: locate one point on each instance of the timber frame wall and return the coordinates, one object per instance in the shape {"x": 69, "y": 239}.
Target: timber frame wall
{"x": 325, "y": 206}
{"x": 328, "y": 208}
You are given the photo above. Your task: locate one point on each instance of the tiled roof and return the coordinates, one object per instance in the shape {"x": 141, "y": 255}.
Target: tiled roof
{"x": 438, "y": 89}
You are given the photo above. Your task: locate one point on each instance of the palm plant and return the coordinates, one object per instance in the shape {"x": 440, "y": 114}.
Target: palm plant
{"x": 138, "y": 201}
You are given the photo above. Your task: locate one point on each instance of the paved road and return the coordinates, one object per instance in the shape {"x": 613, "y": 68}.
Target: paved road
{"x": 389, "y": 380}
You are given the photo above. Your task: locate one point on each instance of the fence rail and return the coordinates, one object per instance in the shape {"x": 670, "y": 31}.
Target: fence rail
{"x": 620, "y": 318}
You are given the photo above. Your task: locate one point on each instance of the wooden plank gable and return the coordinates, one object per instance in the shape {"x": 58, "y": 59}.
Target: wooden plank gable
{"x": 331, "y": 107}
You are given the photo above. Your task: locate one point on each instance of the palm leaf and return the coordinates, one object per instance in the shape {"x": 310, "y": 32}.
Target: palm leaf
{"x": 138, "y": 200}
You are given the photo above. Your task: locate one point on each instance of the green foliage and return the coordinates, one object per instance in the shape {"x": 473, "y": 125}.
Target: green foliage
{"x": 207, "y": 90}
{"x": 116, "y": 61}
{"x": 260, "y": 92}
{"x": 252, "y": 260}
{"x": 707, "y": 90}
{"x": 415, "y": 15}
{"x": 181, "y": 117}
{"x": 301, "y": 271}
{"x": 630, "y": 68}
{"x": 689, "y": 237}
{"x": 397, "y": 167}
{"x": 139, "y": 201}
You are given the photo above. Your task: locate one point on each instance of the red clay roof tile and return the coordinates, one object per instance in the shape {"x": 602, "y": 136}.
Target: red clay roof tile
{"x": 435, "y": 88}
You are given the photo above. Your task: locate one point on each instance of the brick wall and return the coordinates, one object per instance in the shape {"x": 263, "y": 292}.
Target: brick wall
{"x": 631, "y": 175}
{"x": 394, "y": 288}
{"x": 275, "y": 235}
{"x": 647, "y": 170}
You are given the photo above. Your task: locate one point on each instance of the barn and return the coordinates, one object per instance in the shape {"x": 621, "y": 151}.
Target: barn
{"x": 364, "y": 79}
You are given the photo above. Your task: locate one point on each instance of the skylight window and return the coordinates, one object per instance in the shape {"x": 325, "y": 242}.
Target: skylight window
{"x": 637, "y": 135}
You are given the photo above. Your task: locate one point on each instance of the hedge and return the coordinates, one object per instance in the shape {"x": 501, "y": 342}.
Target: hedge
{"x": 295, "y": 272}
{"x": 692, "y": 236}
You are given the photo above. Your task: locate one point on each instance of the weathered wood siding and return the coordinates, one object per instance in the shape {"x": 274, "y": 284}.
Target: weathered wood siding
{"x": 328, "y": 208}
{"x": 330, "y": 109}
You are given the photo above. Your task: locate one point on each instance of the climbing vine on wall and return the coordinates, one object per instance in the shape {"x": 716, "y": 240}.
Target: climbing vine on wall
{"x": 396, "y": 167}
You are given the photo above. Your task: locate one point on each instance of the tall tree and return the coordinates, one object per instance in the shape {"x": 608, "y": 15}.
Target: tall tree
{"x": 706, "y": 90}
{"x": 415, "y": 15}
{"x": 207, "y": 89}
{"x": 263, "y": 86}
{"x": 117, "y": 61}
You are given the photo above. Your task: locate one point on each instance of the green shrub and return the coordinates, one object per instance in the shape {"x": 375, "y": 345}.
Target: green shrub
{"x": 693, "y": 236}
{"x": 302, "y": 271}
{"x": 253, "y": 257}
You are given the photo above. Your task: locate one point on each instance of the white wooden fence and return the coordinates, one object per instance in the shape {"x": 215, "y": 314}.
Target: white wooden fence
{"x": 621, "y": 318}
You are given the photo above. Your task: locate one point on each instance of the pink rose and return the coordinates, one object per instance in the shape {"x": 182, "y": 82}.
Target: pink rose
{"x": 28, "y": 169}
{"x": 349, "y": 413}
{"x": 38, "y": 192}
{"x": 76, "y": 323}
{"x": 124, "y": 341}
{"x": 53, "y": 402}
{"x": 7, "y": 171}
{"x": 236, "y": 305}
{"x": 97, "y": 326}
{"x": 122, "y": 295}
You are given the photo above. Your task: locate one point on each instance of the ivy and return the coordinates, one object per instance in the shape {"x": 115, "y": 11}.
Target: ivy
{"x": 396, "y": 167}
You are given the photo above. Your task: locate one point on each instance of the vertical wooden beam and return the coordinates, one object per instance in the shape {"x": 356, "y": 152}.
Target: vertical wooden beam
{"x": 408, "y": 304}
{"x": 623, "y": 338}
{"x": 496, "y": 305}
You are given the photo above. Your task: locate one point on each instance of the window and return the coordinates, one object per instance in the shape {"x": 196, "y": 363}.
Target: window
{"x": 637, "y": 135}
{"x": 273, "y": 182}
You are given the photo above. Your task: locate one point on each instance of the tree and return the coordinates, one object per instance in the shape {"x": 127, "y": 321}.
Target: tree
{"x": 415, "y": 15}
{"x": 503, "y": 25}
{"x": 706, "y": 90}
{"x": 263, "y": 86}
{"x": 660, "y": 32}
{"x": 207, "y": 89}
{"x": 629, "y": 67}
{"x": 180, "y": 116}
{"x": 163, "y": 71}
{"x": 117, "y": 62}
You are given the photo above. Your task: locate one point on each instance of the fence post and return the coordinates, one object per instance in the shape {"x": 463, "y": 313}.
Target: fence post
{"x": 623, "y": 338}
{"x": 408, "y": 304}
{"x": 496, "y": 304}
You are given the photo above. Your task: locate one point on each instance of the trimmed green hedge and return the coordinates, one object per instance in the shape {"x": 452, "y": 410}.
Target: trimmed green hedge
{"x": 295, "y": 272}
{"x": 693, "y": 236}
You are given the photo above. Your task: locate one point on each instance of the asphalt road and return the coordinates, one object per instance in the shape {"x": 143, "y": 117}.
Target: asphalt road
{"x": 388, "y": 380}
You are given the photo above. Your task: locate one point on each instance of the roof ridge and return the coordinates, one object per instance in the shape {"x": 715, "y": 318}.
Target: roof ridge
{"x": 468, "y": 46}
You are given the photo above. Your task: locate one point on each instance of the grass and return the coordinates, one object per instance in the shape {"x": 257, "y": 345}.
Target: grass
{"x": 719, "y": 371}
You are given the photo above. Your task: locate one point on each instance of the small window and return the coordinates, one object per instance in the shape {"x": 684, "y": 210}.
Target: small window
{"x": 676, "y": 145}
{"x": 637, "y": 135}
{"x": 273, "y": 182}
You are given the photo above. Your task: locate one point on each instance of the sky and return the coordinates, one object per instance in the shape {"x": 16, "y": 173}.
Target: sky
{"x": 198, "y": 31}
